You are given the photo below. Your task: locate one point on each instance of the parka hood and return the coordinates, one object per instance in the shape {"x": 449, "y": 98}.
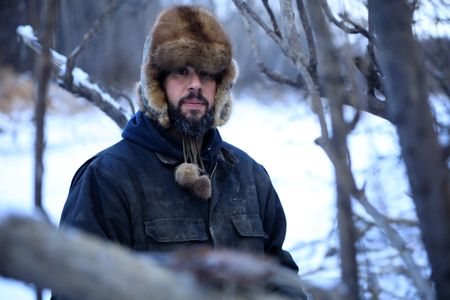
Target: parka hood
{"x": 149, "y": 134}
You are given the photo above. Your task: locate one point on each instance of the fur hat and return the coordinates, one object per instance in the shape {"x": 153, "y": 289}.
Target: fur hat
{"x": 186, "y": 36}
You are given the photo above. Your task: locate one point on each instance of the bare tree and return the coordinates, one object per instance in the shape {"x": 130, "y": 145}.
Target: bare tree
{"x": 43, "y": 71}
{"x": 401, "y": 61}
{"x": 329, "y": 77}
{"x": 327, "y": 74}
{"x": 336, "y": 146}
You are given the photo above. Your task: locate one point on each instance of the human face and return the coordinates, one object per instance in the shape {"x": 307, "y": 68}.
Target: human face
{"x": 183, "y": 87}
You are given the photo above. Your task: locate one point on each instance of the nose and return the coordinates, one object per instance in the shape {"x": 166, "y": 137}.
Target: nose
{"x": 195, "y": 82}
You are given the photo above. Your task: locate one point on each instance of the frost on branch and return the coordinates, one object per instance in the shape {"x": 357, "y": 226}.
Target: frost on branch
{"x": 78, "y": 81}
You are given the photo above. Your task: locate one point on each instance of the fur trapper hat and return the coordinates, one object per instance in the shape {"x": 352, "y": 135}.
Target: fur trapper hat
{"x": 186, "y": 36}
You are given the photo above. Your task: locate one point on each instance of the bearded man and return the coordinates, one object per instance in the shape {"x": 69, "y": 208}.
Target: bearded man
{"x": 171, "y": 182}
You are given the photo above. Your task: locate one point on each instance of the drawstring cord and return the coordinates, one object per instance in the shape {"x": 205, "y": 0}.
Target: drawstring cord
{"x": 192, "y": 153}
{"x": 192, "y": 174}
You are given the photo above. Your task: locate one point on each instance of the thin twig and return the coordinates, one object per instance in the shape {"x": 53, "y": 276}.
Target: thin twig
{"x": 301, "y": 65}
{"x": 310, "y": 40}
{"x": 291, "y": 34}
{"x": 83, "y": 87}
{"x": 260, "y": 64}
{"x": 356, "y": 29}
{"x": 95, "y": 29}
{"x": 414, "y": 272}
{"x": 245, "y": 10}
{"x": 276, "y": 29}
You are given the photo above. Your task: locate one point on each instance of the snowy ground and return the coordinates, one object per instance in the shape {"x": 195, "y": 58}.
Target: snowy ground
{"x": 280, "y": 136}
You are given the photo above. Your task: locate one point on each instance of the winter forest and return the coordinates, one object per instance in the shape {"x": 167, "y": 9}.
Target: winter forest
{"x": 345, "y": 102}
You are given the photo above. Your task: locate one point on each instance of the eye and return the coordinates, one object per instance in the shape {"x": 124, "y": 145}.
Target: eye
{"x": 206, "y": 76}
{"x": 181, "y": 71}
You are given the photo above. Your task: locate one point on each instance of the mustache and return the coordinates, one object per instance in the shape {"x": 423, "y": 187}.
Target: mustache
{"x": 194, "y": 95}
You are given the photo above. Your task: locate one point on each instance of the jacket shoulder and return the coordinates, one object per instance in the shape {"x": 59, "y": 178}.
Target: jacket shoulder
{"x": 112, "y": 160}
{"x": 239, "y": 155}
{"x": 236, "y": 153}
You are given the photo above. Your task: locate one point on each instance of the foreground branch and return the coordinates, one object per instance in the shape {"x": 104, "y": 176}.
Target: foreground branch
{"x": 74, "y": 264}
{"x": 81, "y": 85}
{"x": 82, "y": 267}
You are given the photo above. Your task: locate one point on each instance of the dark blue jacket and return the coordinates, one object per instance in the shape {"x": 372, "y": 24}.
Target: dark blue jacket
{"x": 128, "y": 194}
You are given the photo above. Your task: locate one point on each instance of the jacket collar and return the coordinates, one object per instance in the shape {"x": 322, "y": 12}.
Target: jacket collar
{"x": 149, "y": 134}
{"x": 224, "y": 156}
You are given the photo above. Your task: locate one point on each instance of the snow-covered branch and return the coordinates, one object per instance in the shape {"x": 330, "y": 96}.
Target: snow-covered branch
{"x": 80, "y": 84}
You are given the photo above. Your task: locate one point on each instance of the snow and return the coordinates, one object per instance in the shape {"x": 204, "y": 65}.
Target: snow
{"x": 280, "y": 136}
{"x": 26, "y": 31}
{"x": 80, "y": 78}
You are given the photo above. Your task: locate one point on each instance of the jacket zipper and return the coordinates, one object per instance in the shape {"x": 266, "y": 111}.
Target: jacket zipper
{"x": 214, "y": 170}
{"x": 211, "y": 231}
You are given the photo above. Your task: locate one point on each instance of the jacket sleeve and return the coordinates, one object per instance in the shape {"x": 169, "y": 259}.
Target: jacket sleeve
{"x": 274, "y": 222}
{"x": 97, "y": 205}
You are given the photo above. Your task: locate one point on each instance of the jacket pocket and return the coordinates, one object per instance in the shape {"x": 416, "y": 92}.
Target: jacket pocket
{"x": 176, "y": 230}
{"x": 248, "y": 225}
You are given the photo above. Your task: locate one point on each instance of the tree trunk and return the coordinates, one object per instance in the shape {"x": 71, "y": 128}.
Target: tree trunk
{"x": 336, "y": 147}
{"x": 408, "y": 108}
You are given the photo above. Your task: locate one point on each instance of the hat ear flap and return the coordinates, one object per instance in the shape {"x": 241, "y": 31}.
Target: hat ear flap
{"x": 223, "y": 101}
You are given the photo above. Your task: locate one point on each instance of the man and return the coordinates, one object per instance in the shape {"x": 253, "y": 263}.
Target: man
{"x": 171, "y": 182}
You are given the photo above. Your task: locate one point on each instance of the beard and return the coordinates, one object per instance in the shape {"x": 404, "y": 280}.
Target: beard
{"x": 192, "y": 127}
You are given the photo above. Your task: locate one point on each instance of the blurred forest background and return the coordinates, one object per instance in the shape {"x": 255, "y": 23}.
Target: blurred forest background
{"x": 114, "y": 55}
{"x": 344, "y": 59}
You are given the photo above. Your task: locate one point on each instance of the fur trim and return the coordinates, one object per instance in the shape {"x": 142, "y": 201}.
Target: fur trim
{"x": 186, "y": 36}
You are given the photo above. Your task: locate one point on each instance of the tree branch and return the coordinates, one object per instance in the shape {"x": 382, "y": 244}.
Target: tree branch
{"x": 296, "y": 56}
{"x": 260, "y": 64}
{"x": 291, "y": 33}
{"x": 356, "y": 29}
{"x": 95, "y": 29}
{"x": 80, "y": 266}
{"x": 310, "y": 40}
{"x": 82, "y": 84}
{"x": 276, "y": 29}
{"x": 400, "y": 59}
{"x": 336, "y": 146}
{"x": 301, "y": 65}
{"x": 43, "y": 73}
{"x": 246, "y": 11}
{"x": 414, "y": 272}
{"x": 371, "y": 105}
